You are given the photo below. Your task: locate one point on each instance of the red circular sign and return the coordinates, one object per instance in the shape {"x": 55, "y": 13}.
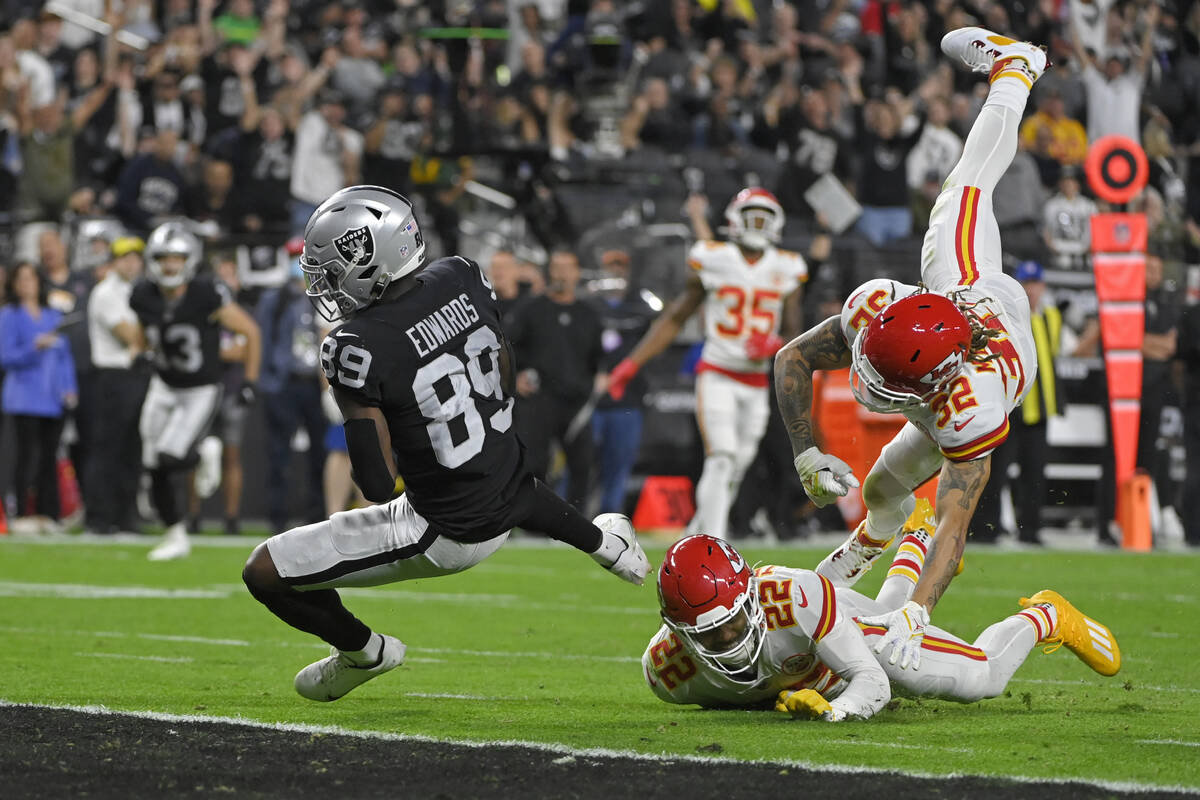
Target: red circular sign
{"x": 1116, "y": 168}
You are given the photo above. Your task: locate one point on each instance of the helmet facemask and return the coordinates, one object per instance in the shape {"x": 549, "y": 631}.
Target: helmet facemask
{"x": 758, "y": 228}
{"x": 735, "y": 659}
{"x": 872, "y": 389}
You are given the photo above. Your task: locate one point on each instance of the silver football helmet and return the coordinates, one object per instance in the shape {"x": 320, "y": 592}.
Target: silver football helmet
{"x": 172, "y": 239}
{"x": 355, "y": 244}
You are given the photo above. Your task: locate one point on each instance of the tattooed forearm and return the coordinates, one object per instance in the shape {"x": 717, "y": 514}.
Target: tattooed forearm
{"x": 959, "y": 487}
{"x": 944, "y": 555}
{"x": 967, "y": 478}
{"x": 822, "y": 347}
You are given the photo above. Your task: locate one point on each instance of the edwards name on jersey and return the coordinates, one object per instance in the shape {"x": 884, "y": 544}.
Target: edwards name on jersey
{"x": 183, "y": 333}
{"x": 430, "y": 361}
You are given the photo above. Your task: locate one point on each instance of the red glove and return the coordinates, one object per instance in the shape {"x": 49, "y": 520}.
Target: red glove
{"x": 763, "y": 345}
{"x": 620, "y": 377}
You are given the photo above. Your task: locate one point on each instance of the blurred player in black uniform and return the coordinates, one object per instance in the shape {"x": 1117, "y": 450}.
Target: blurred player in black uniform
{"x": 424, "y": 379}
{"x": 181, "y": 317}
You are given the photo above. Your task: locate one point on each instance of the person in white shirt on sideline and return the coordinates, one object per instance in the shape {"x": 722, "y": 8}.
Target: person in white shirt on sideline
{"x": 114, "y": 460}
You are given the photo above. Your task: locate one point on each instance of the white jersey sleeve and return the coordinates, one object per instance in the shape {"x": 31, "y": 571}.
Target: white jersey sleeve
{"x": 845, "y": 652}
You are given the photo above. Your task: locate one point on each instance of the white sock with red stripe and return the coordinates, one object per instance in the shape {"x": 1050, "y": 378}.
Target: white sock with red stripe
{"x": 1043, "y": 617}
{"x": 1007, "y": 644}
{"x": 905, "y": 571}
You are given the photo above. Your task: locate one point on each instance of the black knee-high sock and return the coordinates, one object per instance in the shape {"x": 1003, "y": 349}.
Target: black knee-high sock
{"x": 559, "y": 519}
{"x": 318, "y": 612}
{"x": 164, "y": 490}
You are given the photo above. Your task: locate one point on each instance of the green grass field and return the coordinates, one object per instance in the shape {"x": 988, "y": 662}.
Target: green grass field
{"x": 540, "y": 645}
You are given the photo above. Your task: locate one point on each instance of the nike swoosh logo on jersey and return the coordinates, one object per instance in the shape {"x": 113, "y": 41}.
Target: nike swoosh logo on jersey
{"x": 346, "y": 333}
{"x": 803, "y": 598}
{"x": 958, "y": 426}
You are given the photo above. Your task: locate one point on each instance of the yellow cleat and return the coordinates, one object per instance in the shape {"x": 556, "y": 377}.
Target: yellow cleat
{"x": 1092, "y": 642}
{"x": 923, "y": 518}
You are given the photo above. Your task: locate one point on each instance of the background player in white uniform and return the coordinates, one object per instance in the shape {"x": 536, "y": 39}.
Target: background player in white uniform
{"x": 424, "y": 380}
{"x": 789, "y": 639}
{"x": 182, "y": 316}
{"x": 954, "y": 359}
{"x": 747, "y": 287}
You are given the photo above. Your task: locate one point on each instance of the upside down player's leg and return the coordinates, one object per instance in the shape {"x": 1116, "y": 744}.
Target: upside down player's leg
{"x": 963, "y": 240}
{"x": 295, "y": 575}
{"x": 905, "y": 462}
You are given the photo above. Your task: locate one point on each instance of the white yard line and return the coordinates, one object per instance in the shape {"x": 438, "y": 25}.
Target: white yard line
{"x": 1168, "y": 741}
{"x": 132, "y": 657}
{"x": 559, "y": 750}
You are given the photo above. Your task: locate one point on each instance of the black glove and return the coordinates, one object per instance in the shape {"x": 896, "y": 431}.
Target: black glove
{"x": 247, "y": 394}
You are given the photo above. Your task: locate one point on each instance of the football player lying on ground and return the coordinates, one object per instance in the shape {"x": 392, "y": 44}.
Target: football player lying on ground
{"x": 955, "y": 355}
{"x": 733, "y": 637}
{"x": 424, "y": 379}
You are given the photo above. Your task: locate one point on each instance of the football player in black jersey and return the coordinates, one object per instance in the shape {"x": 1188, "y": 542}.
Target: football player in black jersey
{"x": 181, "y": 317}
{"x": 424, "y": 379}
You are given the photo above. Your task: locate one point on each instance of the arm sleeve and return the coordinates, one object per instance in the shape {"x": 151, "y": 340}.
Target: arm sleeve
{"x": 16, "y": 345}
{"x": 845, "y": 651}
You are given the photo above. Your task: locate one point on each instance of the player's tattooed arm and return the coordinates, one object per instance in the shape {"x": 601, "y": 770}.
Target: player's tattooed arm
{"x": 959, "y": 487}
{"x": 820, "y": 347}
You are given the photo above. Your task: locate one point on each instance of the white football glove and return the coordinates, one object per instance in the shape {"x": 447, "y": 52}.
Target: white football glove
{"x": 905, "y": 632}
{"x": 825, "y": 478}
{"x": 619, "y": 552}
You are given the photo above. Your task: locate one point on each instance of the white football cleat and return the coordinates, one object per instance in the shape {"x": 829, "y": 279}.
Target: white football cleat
{"x": 208, "y": 471}
{"x": 620, "y": 553}
{"x": 851, "y": 560}
{"x": 175, "y": 544}
{"x": 981, "y": 50}
{"x": 337, "y": 676}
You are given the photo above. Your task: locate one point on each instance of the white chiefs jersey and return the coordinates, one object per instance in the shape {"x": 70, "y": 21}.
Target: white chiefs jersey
{"x": 970, "y": 418}
{"x": 801, "y": 610}
{"x": 742, "y": 298}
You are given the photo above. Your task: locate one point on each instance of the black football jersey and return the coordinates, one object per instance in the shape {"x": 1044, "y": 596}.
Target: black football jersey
{"x": 183, "y": 334}
{"x": 430, "y": 361}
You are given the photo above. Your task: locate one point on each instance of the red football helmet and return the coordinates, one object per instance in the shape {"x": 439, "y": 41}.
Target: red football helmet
{"x": 910, "y": 351}
{"x": 755, "y": 218}
{"x": 704, "y": 584}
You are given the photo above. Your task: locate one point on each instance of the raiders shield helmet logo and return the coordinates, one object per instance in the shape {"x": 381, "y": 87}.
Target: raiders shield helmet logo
{"x": 356, "y": 246}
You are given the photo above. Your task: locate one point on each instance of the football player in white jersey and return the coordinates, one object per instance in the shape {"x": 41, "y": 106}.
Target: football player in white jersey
{"x": 954, "y": 355}
{"x": 789, "y": 639}
{"x": 747, "y": 286}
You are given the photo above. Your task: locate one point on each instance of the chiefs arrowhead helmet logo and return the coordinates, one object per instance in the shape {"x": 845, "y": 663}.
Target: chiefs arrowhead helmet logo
{"x": 356, "y": 246}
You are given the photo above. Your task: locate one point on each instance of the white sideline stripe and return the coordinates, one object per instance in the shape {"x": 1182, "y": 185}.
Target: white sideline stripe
{"x": 323, "y": 646}
{"x": 82, "y": 591}
{"x": 166, "y": 659}
{"x": 1167, "y": 741}
{"x": 516, "y": 654}
{"x": 449, "y": 696}
{"x": 596, "y": 752}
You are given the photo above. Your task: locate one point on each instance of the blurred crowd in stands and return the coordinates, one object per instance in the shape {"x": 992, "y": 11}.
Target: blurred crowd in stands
{"x": 243, "y": 115}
